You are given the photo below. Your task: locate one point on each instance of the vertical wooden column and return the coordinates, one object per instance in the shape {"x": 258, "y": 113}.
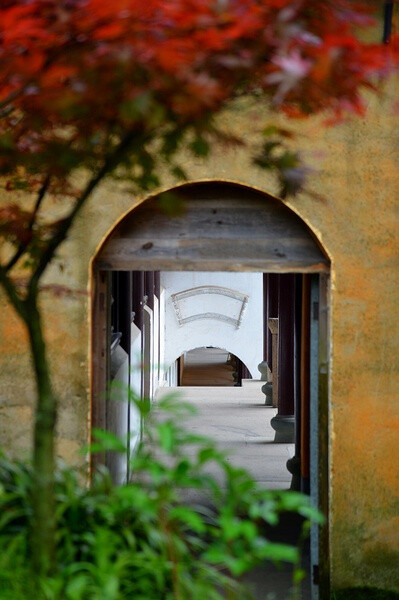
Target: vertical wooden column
{"x": 138, "y": 309}
{"x": 125, "y": 323}
{"x": 117, "y": 402}
{"x": 294, "y": 463}
{"x": 266, "y": 336}
{"x": 270, "y": 307}
{"x": 125, "y": 308}
{"x": 149, "y": 288}
{"x": 323, "y": 430}
{"x": 114, "y": 304}
{"x": 273, "y": 328}
{"x": 262, "y": 366}
{"x": 305, "y": 385}
{"x": 180, "y": 370}
{"x": 137, "y": 297}
{"x": 157, "y": 292}
{"x": 101, "y": 351}
{"x": 284, "y": 422}
{"x": 147, "y": 333}
{"x": 157, "y": 284}
{"x": 286, "y": 347}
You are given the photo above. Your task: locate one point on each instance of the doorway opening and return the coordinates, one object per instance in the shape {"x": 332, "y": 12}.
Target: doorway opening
{"x": 210, "y": 366}
{"x": 206, "y": 366}
{"x": 231, "y": 229}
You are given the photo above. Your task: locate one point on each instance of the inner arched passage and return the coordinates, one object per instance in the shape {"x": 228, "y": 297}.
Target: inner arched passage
{"x": 210, "y": 366}
{"x": 218, "y": 228}
{"x": 219, "y": 309}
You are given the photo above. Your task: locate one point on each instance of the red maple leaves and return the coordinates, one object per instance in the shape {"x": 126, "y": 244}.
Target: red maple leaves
{"x": 78, "y": 75}
{"x": 72, "y": 58}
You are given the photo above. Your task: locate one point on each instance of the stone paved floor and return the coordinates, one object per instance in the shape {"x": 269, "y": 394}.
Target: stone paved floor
{"x": 239, "y": 422}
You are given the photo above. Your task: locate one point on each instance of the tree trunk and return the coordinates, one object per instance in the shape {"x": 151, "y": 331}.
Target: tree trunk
{"x": 43, "y": 540}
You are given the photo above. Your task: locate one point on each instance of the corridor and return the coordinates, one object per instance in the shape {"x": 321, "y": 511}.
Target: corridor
{"x": 237, "y": 419}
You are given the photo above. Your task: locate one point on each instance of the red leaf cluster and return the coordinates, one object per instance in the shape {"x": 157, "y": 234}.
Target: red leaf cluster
{"x": 77, "y": 72}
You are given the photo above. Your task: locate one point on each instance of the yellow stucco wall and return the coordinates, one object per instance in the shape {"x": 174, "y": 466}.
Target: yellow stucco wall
{"x": 357, "y": 176}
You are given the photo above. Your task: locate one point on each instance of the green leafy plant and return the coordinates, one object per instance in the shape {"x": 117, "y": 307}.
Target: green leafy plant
{"x": 125, "y": 89}
{"x": 146, "y": 539}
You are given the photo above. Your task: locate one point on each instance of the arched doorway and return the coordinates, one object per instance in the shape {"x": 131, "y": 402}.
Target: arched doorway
{"x": 210, "y": 366}
{"x": 231, "y": 228}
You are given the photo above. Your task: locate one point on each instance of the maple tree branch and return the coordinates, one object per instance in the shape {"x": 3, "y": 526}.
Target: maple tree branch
{"x": 12, "y": 96}
{"x": 109, "y": 164}
{"x": 40, "y": 196}
{"x": 23, "y": 246}
{"x": 12, "y": 294}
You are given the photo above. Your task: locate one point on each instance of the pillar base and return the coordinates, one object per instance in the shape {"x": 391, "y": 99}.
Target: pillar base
{"x": 284, "y": 426}
{"x": 294, "y": 467}
{"x": 267, "y": 389}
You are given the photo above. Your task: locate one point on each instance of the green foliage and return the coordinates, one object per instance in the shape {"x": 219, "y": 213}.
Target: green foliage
{"x": 145, "y": 540}
{"x": 287, "y": 164}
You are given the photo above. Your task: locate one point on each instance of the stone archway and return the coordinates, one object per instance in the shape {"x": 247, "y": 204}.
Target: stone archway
{"x": 220, "y": 227}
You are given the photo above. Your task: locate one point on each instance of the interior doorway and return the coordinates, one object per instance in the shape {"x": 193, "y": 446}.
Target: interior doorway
{"x": 207, "y": 366}
{"x": 224, "y": 227}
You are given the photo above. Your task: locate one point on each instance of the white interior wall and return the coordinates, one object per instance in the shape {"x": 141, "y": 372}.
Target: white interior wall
{"x": 245, "y": 341}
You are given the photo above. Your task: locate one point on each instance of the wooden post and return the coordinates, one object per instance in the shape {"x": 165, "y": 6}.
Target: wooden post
{"x": 273, "y": 328}
{"x": 270, "y": 307}
{"x": 286, "y": 346}
{"x": 100, "y": 345}
{"x": 137, "y": 298}
{"x": 284, "y": 422}
{"x": 124, "y": 301}
{"x": 294, "y": 463}
{"x": 157, "y": 284}
{"x": 305, "y": 384}
{"x": 149, "y": 288}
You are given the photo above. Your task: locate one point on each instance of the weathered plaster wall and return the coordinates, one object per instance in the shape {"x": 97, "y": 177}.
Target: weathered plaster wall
{"x": 355, "y": 216}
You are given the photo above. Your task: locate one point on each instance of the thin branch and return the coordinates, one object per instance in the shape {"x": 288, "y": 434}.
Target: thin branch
{"x": 109, "y": 164}
{"x": 12, "y": 294}
{"x": 22, "y": 247}
{"x": 12, "y": 97}
{"x": 40, "y": 196}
